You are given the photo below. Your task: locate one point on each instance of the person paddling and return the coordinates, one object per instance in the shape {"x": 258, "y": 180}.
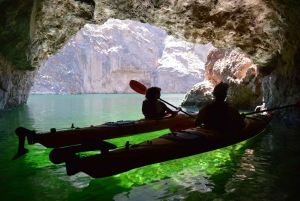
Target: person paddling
{"x": 219, "y": 114}
{"x": 152, "y": 107}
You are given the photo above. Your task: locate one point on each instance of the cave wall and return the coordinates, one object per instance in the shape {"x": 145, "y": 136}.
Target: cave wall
{"x": 267, "y": 31}
{"x": 14, "y": 85}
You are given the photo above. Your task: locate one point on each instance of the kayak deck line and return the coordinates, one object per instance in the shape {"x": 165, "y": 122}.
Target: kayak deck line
{"x": 109, "y": 130}
{"x": 167, "y": 147}
{"x": 60, "y": 155}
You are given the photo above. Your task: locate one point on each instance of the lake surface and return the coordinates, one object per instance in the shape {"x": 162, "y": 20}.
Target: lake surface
{"x": 266, "y": 167}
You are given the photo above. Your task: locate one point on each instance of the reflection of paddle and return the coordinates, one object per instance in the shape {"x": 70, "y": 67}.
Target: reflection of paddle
{"x": 178, "y": 126}
{"x": 141, "y": 89}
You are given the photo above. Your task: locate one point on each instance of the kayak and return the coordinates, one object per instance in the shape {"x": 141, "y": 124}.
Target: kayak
{"x": 61, "y": 138}
{"x": 167, "y": 147}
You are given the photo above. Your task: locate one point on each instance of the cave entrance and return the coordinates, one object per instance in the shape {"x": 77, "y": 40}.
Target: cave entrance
{"x": 104, "y": 58}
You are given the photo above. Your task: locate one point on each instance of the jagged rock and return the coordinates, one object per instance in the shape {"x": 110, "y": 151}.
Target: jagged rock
{"x": 199, "y": 95}
{"x": 231, "y": 67}
{"x": 226, "y": 65}
{"x": 103, "y": 59}
{"x": 14, "y": 85}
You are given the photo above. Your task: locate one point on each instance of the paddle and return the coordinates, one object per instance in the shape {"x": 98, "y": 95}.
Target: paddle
{"x": 297, "y": 105}
{"x": 141, "y": 89}
{"x": 178, "y": 126}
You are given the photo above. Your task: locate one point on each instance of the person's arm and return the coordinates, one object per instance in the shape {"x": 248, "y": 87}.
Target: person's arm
{"x": 147, "y": 109}
{"x": 235, "y": 114}
{"x": 200, "y": 117}
{"x": 144, "y": 108}
{"x": 174, "y": 113}
{"x": 168, "y": 110}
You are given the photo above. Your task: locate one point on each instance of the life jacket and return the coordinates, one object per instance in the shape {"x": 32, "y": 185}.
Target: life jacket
{"x": 153, "y": 109}
{"x": 217, "y": 115}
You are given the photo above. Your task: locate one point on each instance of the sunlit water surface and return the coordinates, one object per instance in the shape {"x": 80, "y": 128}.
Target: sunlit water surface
{"x": 266, "y": 167}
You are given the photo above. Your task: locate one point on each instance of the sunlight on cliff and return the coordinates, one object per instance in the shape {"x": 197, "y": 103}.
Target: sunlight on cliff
{"x": 104, "y": 58}
{"x": 100, "y": 57}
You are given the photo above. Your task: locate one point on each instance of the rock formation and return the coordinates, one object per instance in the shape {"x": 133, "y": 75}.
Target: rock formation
{"x": 103, "y": 59}
{"x": 14, "y": 85}
{"x": 233, "y": 68}
{"x": 267, "y": 31}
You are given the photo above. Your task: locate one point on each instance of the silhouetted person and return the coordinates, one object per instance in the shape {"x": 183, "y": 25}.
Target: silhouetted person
{"x": 218, "y": 114}
{"x": 152, "y": 107}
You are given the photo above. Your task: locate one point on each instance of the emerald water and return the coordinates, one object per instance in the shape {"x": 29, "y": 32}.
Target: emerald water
{"x": 266, "y": 167}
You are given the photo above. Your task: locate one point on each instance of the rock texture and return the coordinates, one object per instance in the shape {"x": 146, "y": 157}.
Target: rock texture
{"x": 14, "y": 85}
{"x": 267, "y": 31}
{"x": 231, "y": 67}
{"x": 103, "y": 59}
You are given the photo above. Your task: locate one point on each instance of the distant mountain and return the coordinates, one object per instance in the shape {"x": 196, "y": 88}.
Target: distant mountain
{"x": 103, "y": 59}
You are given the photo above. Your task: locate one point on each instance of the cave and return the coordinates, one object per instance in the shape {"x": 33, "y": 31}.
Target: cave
{"x": 262, "y": 168}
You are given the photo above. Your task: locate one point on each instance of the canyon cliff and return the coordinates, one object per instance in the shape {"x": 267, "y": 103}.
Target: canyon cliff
{"x": 267, "y": 31}
{"x": 103, "y": 59}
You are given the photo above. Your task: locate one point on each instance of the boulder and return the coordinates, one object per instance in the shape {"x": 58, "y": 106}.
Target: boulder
{"x": 233, "y": 68}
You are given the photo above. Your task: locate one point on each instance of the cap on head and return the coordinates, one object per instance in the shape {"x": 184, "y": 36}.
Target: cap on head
{"x": 220, "y": 89}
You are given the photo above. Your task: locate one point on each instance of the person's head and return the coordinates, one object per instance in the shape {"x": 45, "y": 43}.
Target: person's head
{"x": 220, "y": 91}
{"x": 153, "y": 93}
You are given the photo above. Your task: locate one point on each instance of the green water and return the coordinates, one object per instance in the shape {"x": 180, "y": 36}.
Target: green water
{"x": 266, "y": 167}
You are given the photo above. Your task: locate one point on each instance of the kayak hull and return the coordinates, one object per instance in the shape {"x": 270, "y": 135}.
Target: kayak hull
{"x": 105, "y": 131}
{"x": 168, "y": 147}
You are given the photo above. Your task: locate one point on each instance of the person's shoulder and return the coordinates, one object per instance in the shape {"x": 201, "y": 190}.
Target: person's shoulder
{"x": 162, "y": 103}
{"x": 232, "y": 108}
{"x": 230, "y": 105}
{"x": 215, "y": 103}
{"x": 204, "y": 107}
{"x": 147, "y": 101}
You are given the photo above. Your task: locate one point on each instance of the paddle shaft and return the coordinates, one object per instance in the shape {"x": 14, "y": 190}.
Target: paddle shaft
{"x": 270, "y": 109}
{"x": 177, "y": 126}
{"x": 176, "y": 108}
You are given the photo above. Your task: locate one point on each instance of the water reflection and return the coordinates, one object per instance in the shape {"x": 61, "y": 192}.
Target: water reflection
{"x": 266, "y": 167}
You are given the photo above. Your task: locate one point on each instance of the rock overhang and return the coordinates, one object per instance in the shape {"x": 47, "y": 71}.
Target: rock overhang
{"x": 251, "y": 27}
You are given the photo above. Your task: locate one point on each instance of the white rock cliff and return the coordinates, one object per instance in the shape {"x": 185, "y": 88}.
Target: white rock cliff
{"x": 103, "y": 59}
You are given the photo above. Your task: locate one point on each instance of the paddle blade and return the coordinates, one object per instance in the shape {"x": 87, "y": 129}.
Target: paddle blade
{"x": 137, "y": 87}
{"x": 182, "y": 125}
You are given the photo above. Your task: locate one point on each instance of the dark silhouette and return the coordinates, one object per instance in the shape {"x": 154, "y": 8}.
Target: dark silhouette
{"x": 218, "y": 114}
{"x": 152, "y": 107}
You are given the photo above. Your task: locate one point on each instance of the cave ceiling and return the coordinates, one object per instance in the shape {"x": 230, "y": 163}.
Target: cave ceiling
{"x": 258, "y": 28}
